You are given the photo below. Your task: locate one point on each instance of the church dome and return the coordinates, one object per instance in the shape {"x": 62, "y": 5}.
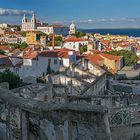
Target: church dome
{"x": 72, "y": 25}
{"x": 72, "y": 28}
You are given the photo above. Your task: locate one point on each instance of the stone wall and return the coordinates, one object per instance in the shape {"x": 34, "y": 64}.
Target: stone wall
{"x": 52, "y": 121}
{"x": 125, "y": 132}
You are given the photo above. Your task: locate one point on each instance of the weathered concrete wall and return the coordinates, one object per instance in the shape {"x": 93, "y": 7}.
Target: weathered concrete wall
{"x": 124, "y": 132}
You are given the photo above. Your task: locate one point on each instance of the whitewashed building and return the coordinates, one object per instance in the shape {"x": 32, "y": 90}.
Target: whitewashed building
{"x": 82, "y": 79}
{"x": 36, "y": 64}
{"x": 74, "y": 43}
{"x": 45, "y": 29}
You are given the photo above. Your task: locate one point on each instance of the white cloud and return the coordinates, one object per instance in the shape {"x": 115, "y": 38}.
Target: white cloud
{"x": 14, "y": 12}
{"x": 102, "y": 20}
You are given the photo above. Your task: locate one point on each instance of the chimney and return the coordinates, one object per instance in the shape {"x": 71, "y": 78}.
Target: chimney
{"x": 53, "y": 41}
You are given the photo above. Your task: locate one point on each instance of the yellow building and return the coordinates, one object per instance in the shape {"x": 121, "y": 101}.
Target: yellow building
{"x": 112, "y": 62}
{"x": 32, "y": 37}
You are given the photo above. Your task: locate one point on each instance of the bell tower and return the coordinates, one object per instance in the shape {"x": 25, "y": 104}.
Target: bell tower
{"x": 33, "y": 22}
{"x": 24, "y": 21}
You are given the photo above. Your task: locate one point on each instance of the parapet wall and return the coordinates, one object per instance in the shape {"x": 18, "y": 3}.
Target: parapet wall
{"x": 27, "y": 119}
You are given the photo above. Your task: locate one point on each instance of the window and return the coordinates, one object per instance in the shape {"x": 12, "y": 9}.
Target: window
{"x": 55, "y": 61}
{"x": 49, "y": 61}
{"x": 61, "y": 62}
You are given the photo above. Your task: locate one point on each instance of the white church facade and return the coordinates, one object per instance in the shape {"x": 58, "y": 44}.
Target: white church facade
{"x": 34, "y": 25}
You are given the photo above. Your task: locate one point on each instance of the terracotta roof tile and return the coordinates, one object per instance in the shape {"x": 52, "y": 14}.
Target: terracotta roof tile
{"x": 96, "y": 58}
{"x": 6, "y": 48}
{"x": 109, "y": 56}
{"x": 61, "y": 53}
{"x": 73, "y": 39}
{"x": 30, "y": 55}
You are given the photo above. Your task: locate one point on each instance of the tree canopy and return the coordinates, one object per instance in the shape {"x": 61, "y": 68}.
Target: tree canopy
{"x": 23, "y": 33}
{"x": 17, "y": 27}
{"x": 79, "y": 34}
{"x": 21, "y": 46}
{"x": 129, "y": 58}
{"x": 40, "y": 33}
{"x": 11, "y": 78}
{"x": 57, "y": 41}
{"x": 83, "y": 49}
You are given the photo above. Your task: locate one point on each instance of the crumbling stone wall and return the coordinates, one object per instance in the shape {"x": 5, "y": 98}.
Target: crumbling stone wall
{"x": 52, "y": 121}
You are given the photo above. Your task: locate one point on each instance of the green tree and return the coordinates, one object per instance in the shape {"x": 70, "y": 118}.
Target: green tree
{"x": 58, "y": 38}
{"x": 17, "y": 27}
{"x": 79, "y": 34}
{"x": 11, "y": 78}
{"x": 129, "y": 58}
{"x": 49, "y": 43}
{"x": 83, "y": 49}
{"x": 40, "y": 33}
{"x": 57, "y": 41}
{"x": 23, "y": 45}
{"x": 15, "y": 45}
{"x": 23, "y": 33}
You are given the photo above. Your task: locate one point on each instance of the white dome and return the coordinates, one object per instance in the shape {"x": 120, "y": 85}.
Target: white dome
{"x": 72, "y": 28}
{"x": 72, "y": 25}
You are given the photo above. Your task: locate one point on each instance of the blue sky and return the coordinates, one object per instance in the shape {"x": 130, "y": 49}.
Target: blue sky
{"x": 86, "y": 13}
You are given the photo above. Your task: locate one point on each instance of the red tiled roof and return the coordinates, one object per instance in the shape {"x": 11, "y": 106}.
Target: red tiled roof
{"x": 96, "y": 58}
{"x": 74, "y": 39}
{"x": 109, "y": 56}
{"x": 11, "y": 32}
{"x": 54, "y": 54}
{"x": 6, "y": 48}
{"x": 61, "y": 53}
{"x": 31, "y": 55}
{"x": 104, "y": 42}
